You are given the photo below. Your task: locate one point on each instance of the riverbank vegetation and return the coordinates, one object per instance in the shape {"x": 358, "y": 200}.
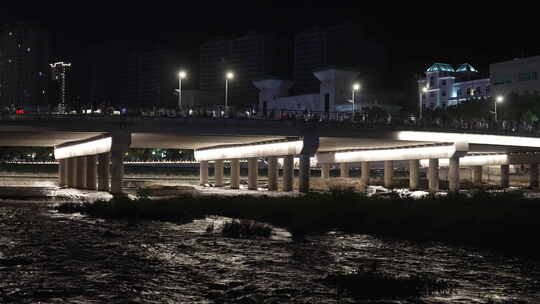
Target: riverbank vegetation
{"x": 505, "y": 220}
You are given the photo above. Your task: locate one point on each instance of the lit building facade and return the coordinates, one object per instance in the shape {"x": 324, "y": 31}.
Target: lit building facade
{"x": 24, "y": 66}
{"x": 59, "y": 75}
{"x": 445, "y": 86}
{"x": 518, "y": 76}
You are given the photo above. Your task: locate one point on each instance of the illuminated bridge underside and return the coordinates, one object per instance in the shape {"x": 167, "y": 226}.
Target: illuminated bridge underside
{"x": 249, "y": 151}
{"x": 490, "y": 160}
{"x": 406, "y": 153}
{"x": 479, "y": 139}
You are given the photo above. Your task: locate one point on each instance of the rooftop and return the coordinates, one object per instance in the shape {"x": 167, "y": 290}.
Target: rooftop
{"x": 466, "y": 68}
{"x": 441, "y": 67}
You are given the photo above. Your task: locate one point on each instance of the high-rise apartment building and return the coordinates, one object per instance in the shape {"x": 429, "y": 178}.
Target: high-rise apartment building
{"x": 250, "y": 57}
{"x": 152, "y": 77}
{"x": 24, "y": 67}
{"x": 343, "y": 46}
{"x": 131, "y": 75}
{"x": 59, "y": 77}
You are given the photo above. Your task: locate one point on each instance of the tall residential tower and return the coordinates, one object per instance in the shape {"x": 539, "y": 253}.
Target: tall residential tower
{"x": 59, "y": 72}
{"x": 251, "y": 57}
{"x": 24, "y": 66}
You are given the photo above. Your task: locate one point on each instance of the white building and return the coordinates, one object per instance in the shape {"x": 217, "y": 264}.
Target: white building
{"x": 335, "y": 93}
{"x": 445, "y": 86}
{"x": 516, "y": 76}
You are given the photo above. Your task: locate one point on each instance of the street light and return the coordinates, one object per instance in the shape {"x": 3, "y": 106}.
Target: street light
{"x": 499, "y": 99}
{"x": 229, "y": 75}
{"x": 355, "y": 88}
{"x": 181, "y": 75}
{"x": 421, "y": 105}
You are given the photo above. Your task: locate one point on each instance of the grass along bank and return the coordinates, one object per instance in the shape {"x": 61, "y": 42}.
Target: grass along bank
{"x": 505, "y": 221}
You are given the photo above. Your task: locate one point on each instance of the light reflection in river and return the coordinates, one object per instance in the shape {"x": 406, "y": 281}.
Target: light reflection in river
{"x": 45, "y": 256}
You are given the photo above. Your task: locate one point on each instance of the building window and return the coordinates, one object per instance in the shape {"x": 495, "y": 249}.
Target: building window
{"x": 443, "y": 82}
{"x": 487, "y": 90}
{"x": 460, "y": 92}
{"x": 443, "y": 93}
{"x": 528, "y": 76}
{"x": 432, "y": 94}
{"x": 478, "y": 91}
{"x": 469, "y": 92}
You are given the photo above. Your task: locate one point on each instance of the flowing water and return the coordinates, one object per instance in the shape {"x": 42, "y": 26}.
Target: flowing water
{"x": 46, "y": 257}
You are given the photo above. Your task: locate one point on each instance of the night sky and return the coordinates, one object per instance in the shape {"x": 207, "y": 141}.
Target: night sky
{"x": 414, "y": 36}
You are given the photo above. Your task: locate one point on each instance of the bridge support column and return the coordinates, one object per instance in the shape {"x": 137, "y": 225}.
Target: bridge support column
{"x": 288, "y": 172}
{"x": 253, "y": 173}
{"x": 117, "y": 171}
{"x": 414, "y": 174}
{"x": 235, "y": 174}
{"x": 62, "y": 176}
{"x": 72, "y": 172}
{"x": 453, "y": 174}
{"x": 203, "y": 174}
{"x": 476, "y": 174}
{"x": 120, "y": 144}
{"x": 272, "y": 173}
{"x": 218, "y": 173}
{"x": 388, "y": 173}
{"x": 505, "y": 176}
{"x": 533, "y": 176}
{"x": 304, "y": 173}
{"x": 104, "y": 160}
{"x": 344, "y": 170}
{"x": 91, "y": 172}
{"x": 325, "y": 171}
{"x": 364, "y": 172}
{"x": 81, "y": 173}
{"x": 433, "y": 175}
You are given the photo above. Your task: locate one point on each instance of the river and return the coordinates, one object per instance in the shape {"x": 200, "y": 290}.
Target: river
{"x": 46, "y": 257}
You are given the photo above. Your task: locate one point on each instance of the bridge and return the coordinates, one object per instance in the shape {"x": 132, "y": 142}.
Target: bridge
{"x": 90, "y": 149}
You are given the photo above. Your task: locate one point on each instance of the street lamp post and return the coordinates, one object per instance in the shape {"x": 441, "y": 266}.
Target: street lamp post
{"x": 421, "y": 105}
{"x": 499, "y": 99}
{"x": 355, "y": 88}
{"x": 230, "y": 75}
{"x": 181, "y": 75}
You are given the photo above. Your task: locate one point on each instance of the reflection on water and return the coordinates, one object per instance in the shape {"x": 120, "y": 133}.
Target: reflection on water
{"x": 49, "y": 257}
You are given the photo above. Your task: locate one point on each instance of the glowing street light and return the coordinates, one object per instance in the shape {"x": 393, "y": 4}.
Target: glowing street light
{"x": 421, "y": 105}
{"x": 181, "y": 75}
{"x": 228, "y": 76}
{"x": 355, "y": 88}
{"x": 499, "y": 99}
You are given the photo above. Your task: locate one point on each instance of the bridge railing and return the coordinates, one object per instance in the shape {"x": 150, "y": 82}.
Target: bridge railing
{"x": 343, "y": 119}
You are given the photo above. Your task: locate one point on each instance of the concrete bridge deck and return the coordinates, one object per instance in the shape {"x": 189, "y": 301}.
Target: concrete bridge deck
{"x": 240, "y": 137}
